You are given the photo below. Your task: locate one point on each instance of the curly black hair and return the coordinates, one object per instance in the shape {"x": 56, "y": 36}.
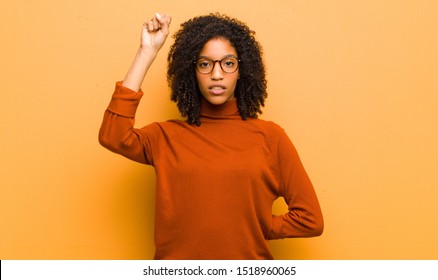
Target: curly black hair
{"x": 250, "y": 91}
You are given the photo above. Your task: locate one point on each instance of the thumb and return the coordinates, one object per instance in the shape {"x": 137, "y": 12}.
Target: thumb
{"x": 164, "y": 21}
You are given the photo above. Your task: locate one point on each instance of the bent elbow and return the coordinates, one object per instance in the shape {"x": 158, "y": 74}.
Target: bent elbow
{"x": 103, "y": 141}
{"x": 317, "y": 227}
{"x": 106, "y": 142}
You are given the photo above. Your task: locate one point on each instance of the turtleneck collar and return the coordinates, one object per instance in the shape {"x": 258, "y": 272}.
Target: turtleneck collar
{"x": 225, "y": 110}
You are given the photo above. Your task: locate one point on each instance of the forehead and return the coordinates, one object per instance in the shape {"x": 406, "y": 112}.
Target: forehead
{"x": 217, "y": 48}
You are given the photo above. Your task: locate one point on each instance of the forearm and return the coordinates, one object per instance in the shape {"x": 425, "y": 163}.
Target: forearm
{"x": 139, "y": 67}
{"x": 298, "y": 223}
{"x": 304, "y": 217}
{"x": 154, "y": 34}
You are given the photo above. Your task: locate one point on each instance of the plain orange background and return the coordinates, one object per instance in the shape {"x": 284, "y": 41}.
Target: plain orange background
{"x": 354, "y": 84}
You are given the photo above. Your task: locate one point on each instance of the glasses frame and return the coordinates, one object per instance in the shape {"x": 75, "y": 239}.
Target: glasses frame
{"x": 214, "y": 64}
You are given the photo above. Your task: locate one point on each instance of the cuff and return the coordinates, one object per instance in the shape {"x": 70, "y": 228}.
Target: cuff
{"x": 124, "y": 101}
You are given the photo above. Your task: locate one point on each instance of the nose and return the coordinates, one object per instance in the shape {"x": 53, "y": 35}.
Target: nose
{"x": 217, "y": 72}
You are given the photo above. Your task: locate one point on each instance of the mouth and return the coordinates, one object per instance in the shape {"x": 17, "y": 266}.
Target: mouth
{"x": 216, "y": 89}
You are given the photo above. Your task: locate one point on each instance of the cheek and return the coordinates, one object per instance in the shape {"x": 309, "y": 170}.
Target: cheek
{"x": 236, "y": 79}
{"x": 200, "y": 80}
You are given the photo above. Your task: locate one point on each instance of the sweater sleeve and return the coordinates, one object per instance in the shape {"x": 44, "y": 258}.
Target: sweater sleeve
{"x": 117, "y": 132}
{"x": 304, "y": 216}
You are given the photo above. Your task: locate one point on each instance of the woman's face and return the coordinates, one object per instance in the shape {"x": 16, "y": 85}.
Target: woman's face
{"x": 217, "y": 87}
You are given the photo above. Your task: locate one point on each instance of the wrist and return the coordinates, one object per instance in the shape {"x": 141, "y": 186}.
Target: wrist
{"x": 147, "y": 51}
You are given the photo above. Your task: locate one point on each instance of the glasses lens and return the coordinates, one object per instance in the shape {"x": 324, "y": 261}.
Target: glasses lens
{"x": 204, "y": 65}
{"x": 229, "y": 64}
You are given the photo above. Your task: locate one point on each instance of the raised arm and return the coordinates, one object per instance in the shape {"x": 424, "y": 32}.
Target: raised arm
{"x": 117, "y": 131}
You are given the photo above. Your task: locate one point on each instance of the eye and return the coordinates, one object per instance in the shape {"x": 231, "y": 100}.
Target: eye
{"x": 204, "y": 63}
{"x": 229, "y": 62}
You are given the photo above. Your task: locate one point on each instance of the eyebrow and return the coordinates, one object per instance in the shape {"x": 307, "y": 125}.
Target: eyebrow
{"x": 228, "y": 55}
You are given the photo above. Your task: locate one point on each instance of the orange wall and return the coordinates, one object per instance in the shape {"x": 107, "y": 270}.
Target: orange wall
{"x": 354, "y": 83}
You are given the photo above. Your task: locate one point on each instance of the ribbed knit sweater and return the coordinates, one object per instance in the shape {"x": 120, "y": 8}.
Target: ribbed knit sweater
{"x": 216, "y": 183}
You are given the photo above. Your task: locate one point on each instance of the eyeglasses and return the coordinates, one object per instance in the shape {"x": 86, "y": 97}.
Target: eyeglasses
{"x": 229, "y": 64}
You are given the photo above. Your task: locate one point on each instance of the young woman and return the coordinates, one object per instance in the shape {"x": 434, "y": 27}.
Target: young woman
{"x": 219, "y": 171}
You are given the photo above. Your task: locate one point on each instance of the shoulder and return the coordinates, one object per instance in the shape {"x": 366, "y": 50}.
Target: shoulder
{"x": 269, "y": 127}
{"x": 274, "y": 134}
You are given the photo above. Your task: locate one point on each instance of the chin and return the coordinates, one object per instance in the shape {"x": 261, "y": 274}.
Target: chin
{"x": 218, "y": 100}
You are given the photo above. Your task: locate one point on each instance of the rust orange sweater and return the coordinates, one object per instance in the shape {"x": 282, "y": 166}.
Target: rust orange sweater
{"x": 215, "y": 184}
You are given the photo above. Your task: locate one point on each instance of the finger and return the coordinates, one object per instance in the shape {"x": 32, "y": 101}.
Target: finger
{"x": 164, "y": 21}
{"x": 158, "y": 17}
{"x": 150, "y": 26}
{"x": 157, "y": 25}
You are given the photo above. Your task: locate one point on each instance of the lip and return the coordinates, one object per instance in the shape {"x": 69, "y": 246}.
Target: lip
{"x": 216, "y": 89}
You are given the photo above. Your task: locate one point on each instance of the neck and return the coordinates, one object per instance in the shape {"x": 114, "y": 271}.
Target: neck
{"x": 225, "y": 110}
